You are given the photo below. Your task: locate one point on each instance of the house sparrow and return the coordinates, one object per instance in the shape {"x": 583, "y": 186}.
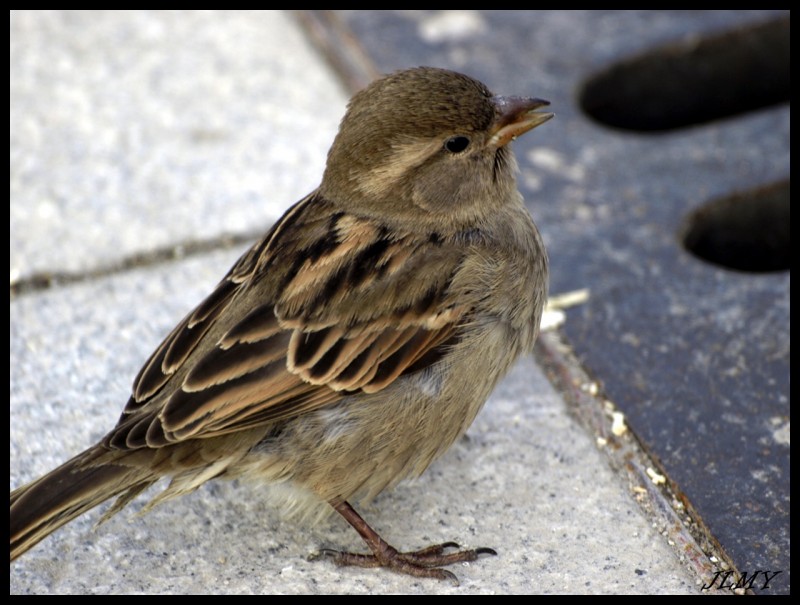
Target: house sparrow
{"x": 353, "y": 344}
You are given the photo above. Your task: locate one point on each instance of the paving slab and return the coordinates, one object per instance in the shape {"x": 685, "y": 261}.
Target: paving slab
{"x": 527, "y": 480}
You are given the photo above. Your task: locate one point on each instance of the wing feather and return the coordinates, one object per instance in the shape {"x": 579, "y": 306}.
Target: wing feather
{"x": 325, "y": 305}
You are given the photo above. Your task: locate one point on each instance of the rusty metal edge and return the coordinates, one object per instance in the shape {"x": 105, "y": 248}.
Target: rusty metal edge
{"x": 339, "y": 47}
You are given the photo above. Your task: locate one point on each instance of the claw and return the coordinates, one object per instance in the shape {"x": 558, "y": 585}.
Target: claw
{"x": 322, "y": 553}
{"x": 449, "y": 575}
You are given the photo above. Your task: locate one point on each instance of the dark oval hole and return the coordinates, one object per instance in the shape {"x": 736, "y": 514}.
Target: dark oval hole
{"x": 747, "y": 231}
{"x": 695, "y": 81}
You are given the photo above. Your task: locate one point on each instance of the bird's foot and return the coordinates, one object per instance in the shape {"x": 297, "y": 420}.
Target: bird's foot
{"x": 423, "y": 563}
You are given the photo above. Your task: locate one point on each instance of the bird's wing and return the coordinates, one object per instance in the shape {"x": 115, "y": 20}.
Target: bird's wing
{"x": 325, "y": 305}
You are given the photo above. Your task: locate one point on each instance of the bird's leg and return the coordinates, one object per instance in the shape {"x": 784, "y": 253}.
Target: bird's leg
{"x": 424, "y": 563}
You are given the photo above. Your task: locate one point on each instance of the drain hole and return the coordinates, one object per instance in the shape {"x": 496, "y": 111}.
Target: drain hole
{"x": 747, "y": 231}
{"x": 694, "y": 81}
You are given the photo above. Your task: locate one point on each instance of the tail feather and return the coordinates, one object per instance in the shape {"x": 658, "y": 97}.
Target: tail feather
{"x": 75, "y": 487}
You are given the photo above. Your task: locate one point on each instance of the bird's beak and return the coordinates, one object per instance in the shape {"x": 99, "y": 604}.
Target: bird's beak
{"x": 515, "y": 116}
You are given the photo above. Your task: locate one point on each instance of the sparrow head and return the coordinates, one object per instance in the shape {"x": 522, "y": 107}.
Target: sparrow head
{"x": 428, "y": 142}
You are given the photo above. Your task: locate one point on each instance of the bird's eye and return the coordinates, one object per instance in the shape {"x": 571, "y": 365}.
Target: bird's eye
{"x": 456, "y": 144}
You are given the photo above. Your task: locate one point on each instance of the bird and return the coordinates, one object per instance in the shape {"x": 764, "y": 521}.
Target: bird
{"x": 356, "y": 341}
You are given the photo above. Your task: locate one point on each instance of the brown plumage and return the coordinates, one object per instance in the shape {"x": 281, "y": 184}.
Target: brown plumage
{"x": 357, "y": 340}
